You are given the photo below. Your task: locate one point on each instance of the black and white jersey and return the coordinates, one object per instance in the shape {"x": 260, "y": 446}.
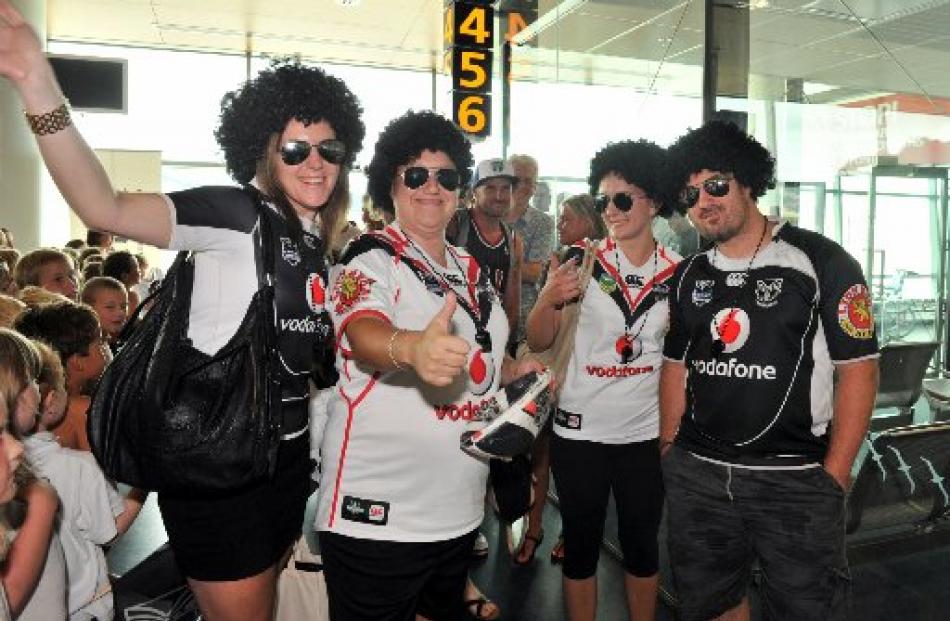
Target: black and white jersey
{"x": 218, "y": 224}
{"x": 494, "y": 259}
{"x": 766, "y": 399}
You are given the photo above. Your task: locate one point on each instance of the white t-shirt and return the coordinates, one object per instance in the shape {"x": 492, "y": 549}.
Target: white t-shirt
{"x": 604, "y": 398}
{"x": 89, "y": 505}
{"x": 49, "y": 597}
{"x": 392, "y": 466}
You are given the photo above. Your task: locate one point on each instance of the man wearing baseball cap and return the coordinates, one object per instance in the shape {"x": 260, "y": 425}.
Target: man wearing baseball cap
{"x": 482, "y": 231}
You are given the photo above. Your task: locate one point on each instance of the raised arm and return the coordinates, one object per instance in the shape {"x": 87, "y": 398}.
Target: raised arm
{"x": 543, "y": 322}
{"x": 71, "y": 163}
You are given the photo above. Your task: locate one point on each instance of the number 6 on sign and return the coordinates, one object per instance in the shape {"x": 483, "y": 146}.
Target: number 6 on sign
{"x": 472, "y": 113}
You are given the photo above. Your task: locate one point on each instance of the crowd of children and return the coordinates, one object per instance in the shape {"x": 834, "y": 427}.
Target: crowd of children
{"x": 57, "y": 509}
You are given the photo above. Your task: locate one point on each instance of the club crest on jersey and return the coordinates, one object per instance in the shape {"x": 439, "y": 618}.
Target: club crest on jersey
{"x": 309, "y": 241}
{"x": 854, "y": 312}
{"x": 634, "y": 280}
{"x": 351, "y": 287}
{"x": 289, "y": 251}
{"x": 316, "y": 293}
{"x": 731, "y": 325}
{"x": 767, "y": 291}
{"x": 607, "y": 284}
{"x": 703, "y": 292}
{"x": 736, "y": 279}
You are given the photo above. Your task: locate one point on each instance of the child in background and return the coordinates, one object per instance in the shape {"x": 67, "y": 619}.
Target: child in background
{"x": 109, "y": 298}
{"x": 123, "y": 266}
{"x": 10, "y": 309}
{"x": 21, "y": 562}
{"x": 73, "y": 332}
{"x": 93, "y": 511}
{"x": 48, "y": 601}
{"x": 47, "y": 268}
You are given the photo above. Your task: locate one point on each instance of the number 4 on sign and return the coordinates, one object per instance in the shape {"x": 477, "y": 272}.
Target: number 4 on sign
{"x": 474, "y": 25}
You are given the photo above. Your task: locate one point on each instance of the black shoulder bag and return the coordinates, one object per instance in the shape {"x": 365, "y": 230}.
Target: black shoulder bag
{"x": 168, "y": 417}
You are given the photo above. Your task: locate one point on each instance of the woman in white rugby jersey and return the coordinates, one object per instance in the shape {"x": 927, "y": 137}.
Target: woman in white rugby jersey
{"x": 607, "y": 422}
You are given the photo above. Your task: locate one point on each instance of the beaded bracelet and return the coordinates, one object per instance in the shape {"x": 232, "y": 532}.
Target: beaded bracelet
{"x": 389, "y": 349}
{"x": 50, "y": 122}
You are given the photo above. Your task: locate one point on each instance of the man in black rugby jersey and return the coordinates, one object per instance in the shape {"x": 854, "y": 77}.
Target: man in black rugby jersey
{"x": 758, "y": 439}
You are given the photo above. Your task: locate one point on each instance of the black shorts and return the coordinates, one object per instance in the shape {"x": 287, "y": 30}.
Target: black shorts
{"x": 234, "y": 536}
{"x": 585, "y": 473}
{"x": 393, "y": 580}
{"x": 722, "y": 517}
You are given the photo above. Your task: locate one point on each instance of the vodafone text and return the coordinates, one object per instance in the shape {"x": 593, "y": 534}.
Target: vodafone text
{"x": 617, "y": 371}
{"x": 467, "y": 411}
{"x": 734, "y": 368}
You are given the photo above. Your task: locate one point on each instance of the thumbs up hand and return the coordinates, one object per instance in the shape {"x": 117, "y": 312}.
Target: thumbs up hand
{"x": 438, "y": 355}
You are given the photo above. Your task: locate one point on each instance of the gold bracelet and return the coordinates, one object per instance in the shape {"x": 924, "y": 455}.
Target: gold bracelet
{"x": 389, "y": 349}
{"x": 50, "y": 122}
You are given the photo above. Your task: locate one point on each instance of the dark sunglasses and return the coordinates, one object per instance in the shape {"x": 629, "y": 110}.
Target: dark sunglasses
{"x": 294, "y": 152}
{"x": 416, "y": 176}
{"x": 717, "y": 185}
{"x": 622, "y": 200}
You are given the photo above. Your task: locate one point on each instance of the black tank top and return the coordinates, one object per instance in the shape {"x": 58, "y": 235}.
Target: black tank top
{"x": 494, "y": 259}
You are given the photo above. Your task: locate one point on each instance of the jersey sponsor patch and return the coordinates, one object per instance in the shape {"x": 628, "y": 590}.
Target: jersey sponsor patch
{"x": 289, "y": 251}
{"x": 634, "y": 280}
{"x": 703, "y": 292}
{"x": 731, "y": 326}
{"x": 767, "y": 291}
{"x": 854, "y": 313}
{"x": 351, "y": 287}
{"x": 568, "y": 420}
{"x": 364, "y": 510}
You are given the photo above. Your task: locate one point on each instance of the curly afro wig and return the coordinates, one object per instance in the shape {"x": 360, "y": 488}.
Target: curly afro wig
{"x": 723, "y": 147}
{"x": 404, "y": 139}
{"x": 639, "y": 162}
{"x": 263, "y": 106}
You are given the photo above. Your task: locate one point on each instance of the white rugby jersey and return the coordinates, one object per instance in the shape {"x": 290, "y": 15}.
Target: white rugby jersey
{"x": 606, "y": 399}
{"x": 392, "y": 466}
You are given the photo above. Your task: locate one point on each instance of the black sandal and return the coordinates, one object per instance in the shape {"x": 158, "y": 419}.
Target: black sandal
{"x": 536, "y": 541}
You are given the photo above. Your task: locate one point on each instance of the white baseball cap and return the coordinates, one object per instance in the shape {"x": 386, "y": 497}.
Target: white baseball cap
{"x": 493, "y": 168}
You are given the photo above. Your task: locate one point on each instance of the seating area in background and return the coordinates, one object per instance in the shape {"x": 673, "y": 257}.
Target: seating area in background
{"x": 902, "y": 368}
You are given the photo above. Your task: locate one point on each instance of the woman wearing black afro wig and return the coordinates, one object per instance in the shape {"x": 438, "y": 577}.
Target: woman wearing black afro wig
{"x": 422, "y": 342}
{"x": 607, "y": 424}
{"x": 293, "y": 132}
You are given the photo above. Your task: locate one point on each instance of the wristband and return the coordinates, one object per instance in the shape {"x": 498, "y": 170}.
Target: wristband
{"x": 49, "y": 122}
{"x": 389, "y": 349}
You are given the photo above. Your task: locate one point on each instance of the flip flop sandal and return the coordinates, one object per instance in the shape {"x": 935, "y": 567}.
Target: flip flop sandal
{"x": 536, "y": 542}
{"x": 476, "y": 609}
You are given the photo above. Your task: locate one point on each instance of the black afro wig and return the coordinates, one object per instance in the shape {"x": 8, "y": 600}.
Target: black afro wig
{"x": 404, "y": 139}
{"x": 723, "y": 147}
{"x": 263, "y": 106}
{"x": 639, "y": 162}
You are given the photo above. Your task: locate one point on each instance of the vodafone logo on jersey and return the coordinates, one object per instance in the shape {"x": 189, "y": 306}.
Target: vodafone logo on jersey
{"x": 316, "y": 293}
{"x": 481, "y": 371}
{"x": 731, "y": 326}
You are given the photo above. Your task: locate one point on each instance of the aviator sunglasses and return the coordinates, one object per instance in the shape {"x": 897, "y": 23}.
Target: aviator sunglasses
{"x": 294, "y": 152}
{"x": 623, "y": 201}
{"x": 416, "y": 176}
{"x": 717, "y": 186}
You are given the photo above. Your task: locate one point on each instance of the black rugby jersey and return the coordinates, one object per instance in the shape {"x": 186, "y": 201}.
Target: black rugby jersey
{"x": 495, "y": 260}
{"x": 767, "y": 398}
{"x": 218, "y": 223}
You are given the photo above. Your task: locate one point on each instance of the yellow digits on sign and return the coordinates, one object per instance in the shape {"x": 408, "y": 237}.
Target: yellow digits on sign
{"x": 470, "y": 62}
{"x": 471, "y": 118}
{"x": 474, "y": 25}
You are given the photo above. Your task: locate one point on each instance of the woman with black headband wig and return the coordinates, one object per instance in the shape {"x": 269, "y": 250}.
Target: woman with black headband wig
{"x": 290, "y": 136}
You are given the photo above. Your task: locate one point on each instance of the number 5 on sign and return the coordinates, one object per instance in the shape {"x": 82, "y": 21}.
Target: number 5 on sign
{"x": 472, "y": 113}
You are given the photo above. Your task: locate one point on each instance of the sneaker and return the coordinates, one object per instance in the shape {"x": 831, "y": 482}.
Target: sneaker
{"x": 480, "y": 547}
{"x": 517, "y": 413}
